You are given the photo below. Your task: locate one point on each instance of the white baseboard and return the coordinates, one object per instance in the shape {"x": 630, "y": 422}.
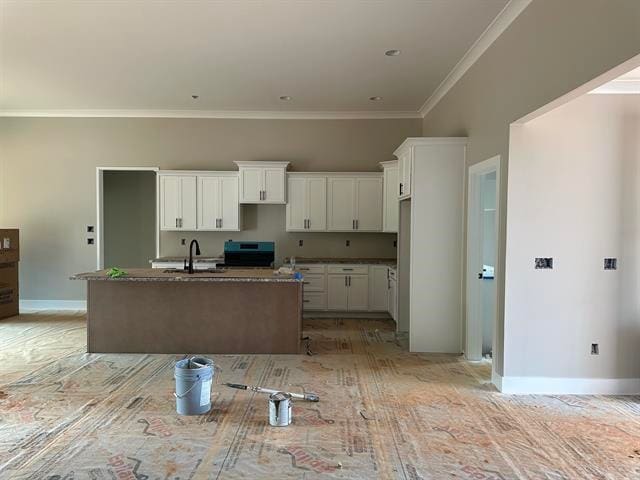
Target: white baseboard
{"x": 496, "y": 379}
{"x": 27, "y": 306}
{"x": 566, "y": 386}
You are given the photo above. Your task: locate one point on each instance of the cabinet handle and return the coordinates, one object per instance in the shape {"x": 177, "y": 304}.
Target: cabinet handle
{"x": 353, "y": 224}
{"x": 349, "y": 280}
{"x": 308, "y": 223}
{"x": 357, "y": 224}
{"x": 176, "y": 223}
{"x": 220, "y": 223}
{"x": 306, "y": 301}
{"x": 400, "y": 188}
{"x": 345, "y": 280}
{"x": 347, "y": 269}
{"x": 306, "y": 283}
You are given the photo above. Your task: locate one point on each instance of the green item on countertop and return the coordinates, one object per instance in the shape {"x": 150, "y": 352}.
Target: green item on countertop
{"x": 116, "y": 272}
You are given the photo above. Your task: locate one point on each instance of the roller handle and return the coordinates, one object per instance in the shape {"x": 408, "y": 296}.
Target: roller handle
{"x": 236, "y": 385}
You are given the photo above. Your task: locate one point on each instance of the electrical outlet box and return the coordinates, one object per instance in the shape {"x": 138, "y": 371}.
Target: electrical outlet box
{"x": 543, "y": 262}
{"x": 595, "y": 349}
{"x": 610, "y": 263}
{"x": 90, "y": 229}
{"x": 348, "y": 243}
{"x": 183, "y": 241}
{"x": 300, "y": 243}
{"x": 90, "y": 241}
{"x": 395, "y": 244}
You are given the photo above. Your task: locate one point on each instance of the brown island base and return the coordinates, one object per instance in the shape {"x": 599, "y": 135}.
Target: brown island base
{"x": 231, "y": 312}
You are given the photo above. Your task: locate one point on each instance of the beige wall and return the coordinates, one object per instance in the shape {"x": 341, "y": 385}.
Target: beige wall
{"x": 553, "y": 47}
{"x": 48, "y": 187}
{"x": 574, "y": 191}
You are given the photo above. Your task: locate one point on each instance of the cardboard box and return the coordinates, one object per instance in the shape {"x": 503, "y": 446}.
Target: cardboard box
{"x": 9, "y": 245}
{"x": 9, "y": 295}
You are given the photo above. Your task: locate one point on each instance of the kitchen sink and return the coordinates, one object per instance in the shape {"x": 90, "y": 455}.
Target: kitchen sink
{"x": 204, "y": 270}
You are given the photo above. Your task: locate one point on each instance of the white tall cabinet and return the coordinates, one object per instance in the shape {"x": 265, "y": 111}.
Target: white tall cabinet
{"x": 390, "y": 205}
{"x": 263, "y": 182}
{"x": 177, "y": 202}
{"x": 354, "y": 203}
{"x": 306, "y": 203}
{"x": 430, "y": 266}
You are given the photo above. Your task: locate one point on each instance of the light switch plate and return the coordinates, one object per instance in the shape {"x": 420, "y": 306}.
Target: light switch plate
{"x": 610, "y": 263}
{"x": 543, "y": 263}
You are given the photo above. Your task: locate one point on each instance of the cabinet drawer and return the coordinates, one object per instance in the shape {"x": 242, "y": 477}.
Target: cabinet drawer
{"x": 348, "y": 269}
{"x": 313, "y": 282}
{"x": 314, "y": 301}
{"x": 307, "y": 269}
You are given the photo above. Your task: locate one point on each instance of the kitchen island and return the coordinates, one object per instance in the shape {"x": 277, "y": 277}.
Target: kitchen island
{"x": 235, "y": 311}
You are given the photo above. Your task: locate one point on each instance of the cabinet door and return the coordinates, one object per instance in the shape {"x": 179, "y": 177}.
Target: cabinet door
{"x": 317, "y": 204}
{"x": 393, "y": 300}
{"x": 369, "y": 204}
{"x": 379, "y": 288}
{"x": 340, "y": 205}
{"x": 390, "y": 200}
{"x": 188, "y": 202}
{"x": 297, "y": 204}
{"x": 337, "y": 292}
{"x": 208, "y": 203}
{"x": 169, "y": 202}
{"x": 229, "y": 204}
{"x": 404, "y": 174}
{"x": 251, "y": 184}
{"x": 358, "y": 292}
{"x": 274, "y": 185}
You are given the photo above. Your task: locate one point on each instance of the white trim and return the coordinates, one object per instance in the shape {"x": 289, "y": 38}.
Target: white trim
{"x": 473, "y": 325}
{"x": 496, "y": 378}
{"x": 499, "y": 24}
{"x": 335, "y": 174}
{"x": 620, "y": 86}
{"x": 261, "y": 163}
{"x": 60, "y": 305}
{"x": 221, "y": 114}
{"x": 100, "y": 214}
{"x": 427, "y": 141}
{"x": 569, "y": 386}
{"x": 198, "y": 173}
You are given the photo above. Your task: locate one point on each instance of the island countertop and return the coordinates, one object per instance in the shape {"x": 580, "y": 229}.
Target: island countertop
{"x": 159, "y": 275}
{"x": 343, "y": 260}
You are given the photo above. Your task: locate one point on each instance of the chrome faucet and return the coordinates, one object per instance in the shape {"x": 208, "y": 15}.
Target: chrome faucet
{"x": 194, "y": 241}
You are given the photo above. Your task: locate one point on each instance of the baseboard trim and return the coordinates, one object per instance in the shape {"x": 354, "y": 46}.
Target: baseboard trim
{"x": 496, "y": 379}
{"x": 27, "y": 306}
{"x": 373, "y": 315}
{"x": 566, "y": 386}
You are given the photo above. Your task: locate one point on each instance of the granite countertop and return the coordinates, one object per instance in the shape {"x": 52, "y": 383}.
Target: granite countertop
{"x": 158, "y": 275}
{"x": 374, "y": 261}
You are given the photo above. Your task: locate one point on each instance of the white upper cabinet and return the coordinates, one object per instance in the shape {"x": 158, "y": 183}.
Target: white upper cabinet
{"x": 177, "y": 202}
{"x": 218, "y": 205}
{"x": 354, "y": 203}
{"x": 391, "y": 207}
{"x": 307, "y": 203}
{"x": 263, "y": 182}
{"x": 405, "y": 161}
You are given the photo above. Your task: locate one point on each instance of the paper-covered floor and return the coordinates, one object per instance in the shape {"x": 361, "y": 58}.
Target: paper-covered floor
{"x": 384, "y": 413}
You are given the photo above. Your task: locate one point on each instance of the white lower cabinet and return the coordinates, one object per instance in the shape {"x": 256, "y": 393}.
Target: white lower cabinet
{"x": 347, "y": 288}
{"x": 379, "y": 288}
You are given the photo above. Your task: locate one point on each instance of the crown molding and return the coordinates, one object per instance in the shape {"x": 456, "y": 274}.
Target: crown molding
{"x": 232, "y": 114}
{"x": 499, "y": 24}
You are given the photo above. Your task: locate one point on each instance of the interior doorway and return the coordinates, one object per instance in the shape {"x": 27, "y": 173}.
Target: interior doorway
{"x": 482, "y": 253}
{"x": 127, "y": 220}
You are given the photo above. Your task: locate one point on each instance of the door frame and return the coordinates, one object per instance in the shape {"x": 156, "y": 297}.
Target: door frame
{"x": 100, "y": 208}
{"x": 473, "y": 315}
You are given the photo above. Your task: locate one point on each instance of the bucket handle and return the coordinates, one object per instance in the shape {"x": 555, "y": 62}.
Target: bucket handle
{"x": 175, "y": 394}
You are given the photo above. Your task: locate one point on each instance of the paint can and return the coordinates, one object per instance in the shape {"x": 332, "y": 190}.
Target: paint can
{"x": 194, "y": 377}
{"x": 280, "y": 409}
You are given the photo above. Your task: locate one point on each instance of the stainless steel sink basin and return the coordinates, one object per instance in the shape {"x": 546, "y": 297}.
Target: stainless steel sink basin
{"x": 204, "y": 270}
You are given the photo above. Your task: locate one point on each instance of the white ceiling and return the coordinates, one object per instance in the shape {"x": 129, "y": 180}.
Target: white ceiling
{"x": 328, "y": 55}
